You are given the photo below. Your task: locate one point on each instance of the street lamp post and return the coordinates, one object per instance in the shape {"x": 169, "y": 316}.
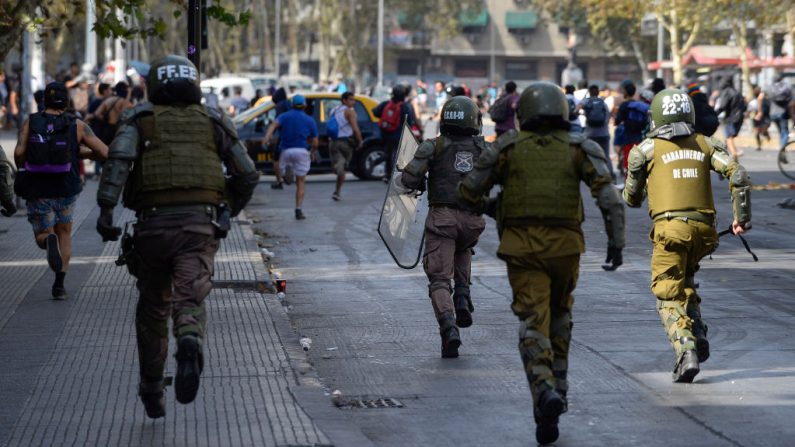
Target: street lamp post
{"x": 380, "y": 42}
{"x": 278, "y": 38}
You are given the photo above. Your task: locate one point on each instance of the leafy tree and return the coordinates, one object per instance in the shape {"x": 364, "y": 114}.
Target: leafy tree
{"x": 19, "y": 15}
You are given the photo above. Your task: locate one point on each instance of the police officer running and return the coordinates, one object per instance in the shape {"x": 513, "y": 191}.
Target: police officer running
{"x": 168, "y": 159}
{"x": 539, "y": 215}
{"x": 672, "y": 164}
{"x": 453, "y": 226}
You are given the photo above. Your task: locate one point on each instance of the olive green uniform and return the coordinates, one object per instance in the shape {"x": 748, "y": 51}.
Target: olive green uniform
{"x": 539, "y": 216}
{"x": 169, "y": 162}
{"x": 673, "y": 168}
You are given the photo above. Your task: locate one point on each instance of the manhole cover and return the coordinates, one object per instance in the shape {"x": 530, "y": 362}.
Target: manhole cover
{"x": 374, "y": 403}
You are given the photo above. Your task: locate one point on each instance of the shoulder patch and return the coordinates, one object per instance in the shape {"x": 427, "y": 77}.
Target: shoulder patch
{"x": 505, "y": 140}
{"x": 144, "y": 108}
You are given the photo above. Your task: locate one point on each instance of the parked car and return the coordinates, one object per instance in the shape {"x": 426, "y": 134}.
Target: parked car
{"x": 368, "y": 163}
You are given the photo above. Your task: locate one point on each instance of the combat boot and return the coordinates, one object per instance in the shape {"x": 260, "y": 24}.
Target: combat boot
{"x": 153, "y": 398}
{"x": 463, "y": 307}
{"x": 189, "y": 368}
{"x": 550, "y": 406}
{"x": 702, "y": 344}
{"x": 686, "y": 368}
{"x": 451, "y": 339}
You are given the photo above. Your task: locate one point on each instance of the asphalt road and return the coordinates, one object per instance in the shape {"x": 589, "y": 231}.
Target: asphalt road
{"x": 374, "y": 334}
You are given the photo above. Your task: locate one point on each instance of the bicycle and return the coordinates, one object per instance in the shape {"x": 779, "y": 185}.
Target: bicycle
{"x": 786, "y": 158}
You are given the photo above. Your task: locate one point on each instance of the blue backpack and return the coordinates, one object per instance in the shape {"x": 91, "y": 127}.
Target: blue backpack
{"x": 332, "y": 126}
{"x": 637, "y": 116}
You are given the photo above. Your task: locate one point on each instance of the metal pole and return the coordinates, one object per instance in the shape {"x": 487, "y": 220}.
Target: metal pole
{"x": 91, "y": 38}
{"x": 194, "y": 33}
{"x": 25, "y": 95}
{"x": 120, "y": 53}
{"x": 492, "y": 57}
{"x": 380, "y": 42}
{"x": 278, "y": 39}
{"x": 660, "y": 47}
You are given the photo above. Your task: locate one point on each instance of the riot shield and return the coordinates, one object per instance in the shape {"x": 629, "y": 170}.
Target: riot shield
{"x": 402, "y": 222}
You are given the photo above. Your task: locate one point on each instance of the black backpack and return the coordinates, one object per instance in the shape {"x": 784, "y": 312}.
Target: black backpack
{"x": 595, "y": 112}
{"x": 781, "y": 94}
{"x": 499, "y": 111}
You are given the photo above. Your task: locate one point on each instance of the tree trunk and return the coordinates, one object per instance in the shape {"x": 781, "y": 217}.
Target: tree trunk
{"x": 740, "y": 29}
{"x": 676, "y": 55}
{"x": 638, "y": 52}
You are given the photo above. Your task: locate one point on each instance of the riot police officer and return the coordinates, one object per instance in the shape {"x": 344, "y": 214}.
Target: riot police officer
{"x": 7, "y": 205}
{"x": 539, "y": 215}
{"x": 453, "y": 225}
{"x": 168, "y": 158}
{"x": 672, "y": 166}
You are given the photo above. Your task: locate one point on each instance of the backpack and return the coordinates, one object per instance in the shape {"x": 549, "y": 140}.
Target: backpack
{"x": 500, "y": 110}
{"x": 781, "y": 94}
{"x": 637, "y": 116}
{"x": 572, "y": 108}
{"x": 739, "y": 106}
{"x": 595, "y": 112}
{"x": 390, "y": 116}
{"x": 50, "y": 144}
{"x": 333, "y": 126}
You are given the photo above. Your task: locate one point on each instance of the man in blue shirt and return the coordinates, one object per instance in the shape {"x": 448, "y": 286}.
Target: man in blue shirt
{"x": 298, "y": 144}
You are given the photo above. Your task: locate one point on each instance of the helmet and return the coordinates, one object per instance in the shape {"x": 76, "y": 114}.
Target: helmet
{"x": 672, "y": 106}
{"x": 460, "y": 116}
{"x": 298, "y": 102}
{"x": 542, "y": 99}
{"x": 173, "y": 79}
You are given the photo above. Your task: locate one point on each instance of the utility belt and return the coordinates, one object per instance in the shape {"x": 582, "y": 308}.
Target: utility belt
{"x": 219, "y": 216}
{"x": 708, "y": 219}
{"x": 573, "y": 224}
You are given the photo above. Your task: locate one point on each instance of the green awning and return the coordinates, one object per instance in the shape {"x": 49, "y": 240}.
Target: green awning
{"x": 474, "y": 18}
{"x": 521, "y": 19}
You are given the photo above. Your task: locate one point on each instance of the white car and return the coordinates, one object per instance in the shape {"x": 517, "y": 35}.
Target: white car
{"x": 229, "y": 83}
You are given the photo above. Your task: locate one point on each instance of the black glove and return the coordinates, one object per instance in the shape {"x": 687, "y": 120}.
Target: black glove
{"x": 8, "y": 209}
{"x": 105, "y": 226}
{"x": 614, "y": 259}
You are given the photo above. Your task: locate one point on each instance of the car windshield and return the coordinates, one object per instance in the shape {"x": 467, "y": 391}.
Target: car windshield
{"x": 252, "y": 113}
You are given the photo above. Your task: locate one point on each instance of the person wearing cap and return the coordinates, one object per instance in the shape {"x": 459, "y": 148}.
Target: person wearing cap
{"x": 298, "y": 145}
{"x": 48, "y": 156}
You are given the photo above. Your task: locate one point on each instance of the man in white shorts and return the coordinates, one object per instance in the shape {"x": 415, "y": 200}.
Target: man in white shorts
{"x": 298, "y": 143}
{"x": 348, "y": 139}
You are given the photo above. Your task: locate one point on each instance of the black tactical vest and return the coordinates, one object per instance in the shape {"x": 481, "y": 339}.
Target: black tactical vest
{"x": 452, "y": 160}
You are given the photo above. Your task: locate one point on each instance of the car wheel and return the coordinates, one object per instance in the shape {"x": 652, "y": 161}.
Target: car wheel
{"x": 372, "y": 164}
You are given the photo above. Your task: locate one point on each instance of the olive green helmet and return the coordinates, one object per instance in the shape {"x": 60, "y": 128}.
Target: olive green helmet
{"x": 542, "y": 99}
{"x": 173, "y": 79}
{"x": 672, "y": 106}
{"x": 460, "y": 116}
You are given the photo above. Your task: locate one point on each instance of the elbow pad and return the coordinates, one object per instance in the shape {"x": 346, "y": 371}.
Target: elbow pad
{"x": 613, "y": 215}
{"x": 122, "y": 154}
{"x": 243, "y": 177}
{"x": 635, "y": 184}
{"x": 740, "y": 184}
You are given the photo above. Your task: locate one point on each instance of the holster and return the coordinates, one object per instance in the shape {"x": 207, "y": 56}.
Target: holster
{"x": 223, "y": 222}
{"x": 127, "y": 254}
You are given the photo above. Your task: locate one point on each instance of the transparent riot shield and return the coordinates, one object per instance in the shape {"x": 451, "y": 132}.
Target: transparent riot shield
{"x": 402, "y": 223}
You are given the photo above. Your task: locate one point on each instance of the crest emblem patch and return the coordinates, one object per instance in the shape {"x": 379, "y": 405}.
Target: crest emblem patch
{"x": 464, "y": 161}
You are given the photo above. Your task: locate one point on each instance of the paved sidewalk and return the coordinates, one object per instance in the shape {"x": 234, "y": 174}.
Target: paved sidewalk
{"x": 68, "y": 370}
